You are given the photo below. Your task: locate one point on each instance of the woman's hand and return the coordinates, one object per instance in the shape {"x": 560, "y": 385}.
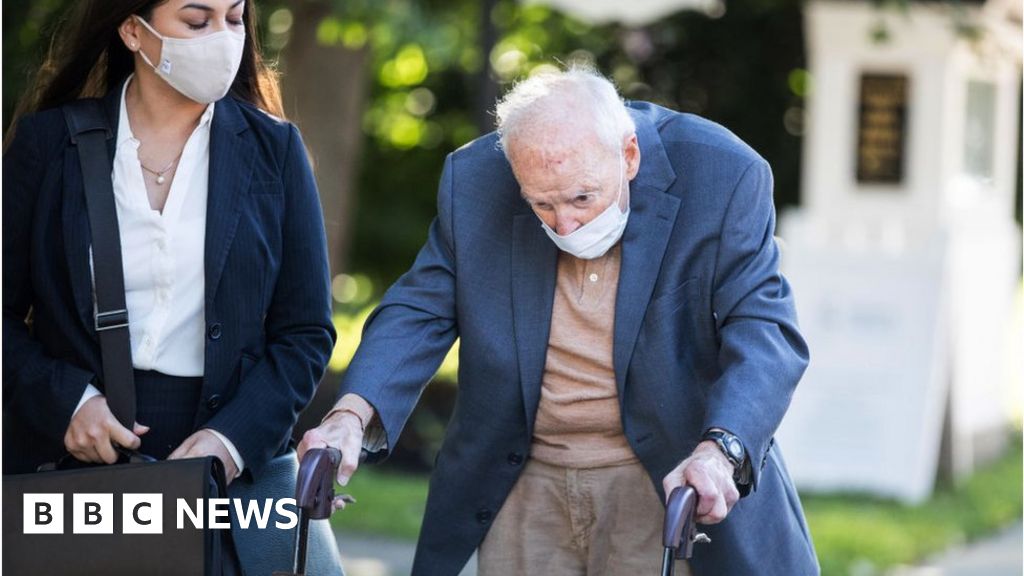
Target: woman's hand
{"x": 204, "y": 443}
{"x": 93, "y": 431}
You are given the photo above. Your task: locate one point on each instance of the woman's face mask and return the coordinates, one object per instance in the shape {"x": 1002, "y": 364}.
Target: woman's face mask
{"x": 202, "y": 69}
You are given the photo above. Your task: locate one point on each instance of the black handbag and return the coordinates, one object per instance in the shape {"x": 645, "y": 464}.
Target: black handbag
{"x": 78, "y": 519}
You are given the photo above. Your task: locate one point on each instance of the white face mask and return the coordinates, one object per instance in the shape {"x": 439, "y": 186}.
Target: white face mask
{"x": 595, "y": 238}
{"x": 202, "y": 69}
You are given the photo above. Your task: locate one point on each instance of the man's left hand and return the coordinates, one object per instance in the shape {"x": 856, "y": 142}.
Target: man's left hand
{"x": 204, "y": 443}
{"x": 711, "y": 475}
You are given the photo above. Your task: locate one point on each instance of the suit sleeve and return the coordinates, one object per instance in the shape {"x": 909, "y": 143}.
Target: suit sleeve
{"x": 761, "y": 352}
{"x": 407, "y": 337}
{"x": 299, "y": 330}
{"x": 42, "y": 391}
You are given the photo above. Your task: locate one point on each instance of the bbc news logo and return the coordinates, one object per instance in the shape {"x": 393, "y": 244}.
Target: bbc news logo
{"x": 144, "y": 513}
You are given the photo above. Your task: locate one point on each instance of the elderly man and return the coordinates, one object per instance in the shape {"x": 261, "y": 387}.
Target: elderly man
{"x": 612, "y": 273}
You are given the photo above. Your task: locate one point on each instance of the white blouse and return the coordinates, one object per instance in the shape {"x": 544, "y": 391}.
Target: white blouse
{"x": 164, "y": 279}
{"x": 163, "y": 257}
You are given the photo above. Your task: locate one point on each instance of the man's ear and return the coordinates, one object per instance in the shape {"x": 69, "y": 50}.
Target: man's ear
{"x": 631, "y": 151}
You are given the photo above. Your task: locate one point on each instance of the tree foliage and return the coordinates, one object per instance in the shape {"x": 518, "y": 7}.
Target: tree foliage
{"x": 743, "y": 67}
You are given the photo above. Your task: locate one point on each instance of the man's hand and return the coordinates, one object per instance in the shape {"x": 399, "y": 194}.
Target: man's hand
{"x": 710, "y": 473}
{"x": 342, "y": 430}
{"x": 93, "y": 431}
{"x": 204, "y": 443}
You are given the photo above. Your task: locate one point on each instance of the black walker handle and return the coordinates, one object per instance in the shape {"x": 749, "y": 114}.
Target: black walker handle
{"x": 314, "y": 497}
{"x": 680, "y": 532}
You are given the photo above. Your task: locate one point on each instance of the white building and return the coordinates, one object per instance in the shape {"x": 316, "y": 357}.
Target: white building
{"x": 905, "y": 255}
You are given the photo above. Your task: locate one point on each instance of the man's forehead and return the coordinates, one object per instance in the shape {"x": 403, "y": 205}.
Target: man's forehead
{"x": 555, "y": 150}
{"x": 540, "y": 168}
{"x": 556, "y": 159}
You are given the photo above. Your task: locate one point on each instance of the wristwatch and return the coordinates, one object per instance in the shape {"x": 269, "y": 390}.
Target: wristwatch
{"x": 731, "y": 446}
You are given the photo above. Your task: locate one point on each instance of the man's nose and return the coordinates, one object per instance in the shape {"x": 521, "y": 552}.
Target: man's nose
{"x": 566, "y": 223}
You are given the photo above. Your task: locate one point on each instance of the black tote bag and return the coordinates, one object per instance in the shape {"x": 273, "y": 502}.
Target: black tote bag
{"x": 172, "y": 551}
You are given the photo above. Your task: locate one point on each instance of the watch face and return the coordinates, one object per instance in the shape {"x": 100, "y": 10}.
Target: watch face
{"x": 735, "y": 448}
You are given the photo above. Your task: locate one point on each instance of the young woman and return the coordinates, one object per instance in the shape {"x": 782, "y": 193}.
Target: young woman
{"x": 222, "y": 240}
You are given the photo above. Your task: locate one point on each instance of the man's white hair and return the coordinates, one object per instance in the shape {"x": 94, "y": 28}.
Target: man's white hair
{"x": 550, "y": 99}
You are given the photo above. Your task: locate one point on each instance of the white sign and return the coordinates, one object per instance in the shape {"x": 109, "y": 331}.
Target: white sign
{"x": 868, "y": 414}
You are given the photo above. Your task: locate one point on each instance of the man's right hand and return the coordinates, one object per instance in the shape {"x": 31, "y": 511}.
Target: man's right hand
{"x": 342, "y": 430}
{"x": 94, "y": 430}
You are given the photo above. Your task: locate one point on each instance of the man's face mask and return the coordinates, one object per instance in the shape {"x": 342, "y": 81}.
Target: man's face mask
{"x": 203, "y": 68}
{"x": 595, "y": 238}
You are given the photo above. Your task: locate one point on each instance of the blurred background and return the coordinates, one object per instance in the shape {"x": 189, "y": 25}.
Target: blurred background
{"x": 894, "y": 133}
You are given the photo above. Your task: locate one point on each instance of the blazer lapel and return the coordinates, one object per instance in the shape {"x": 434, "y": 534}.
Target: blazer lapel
{"x": 534, "y": 267}
{"x": 652, "y": 218}
{"x": 231, "y": 163}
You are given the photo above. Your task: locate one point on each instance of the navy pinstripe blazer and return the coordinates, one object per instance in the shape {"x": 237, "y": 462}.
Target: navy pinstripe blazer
{"x": 268, "y": 304}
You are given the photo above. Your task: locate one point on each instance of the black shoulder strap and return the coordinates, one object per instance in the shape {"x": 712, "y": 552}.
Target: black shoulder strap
{"x": 89, "y": 131}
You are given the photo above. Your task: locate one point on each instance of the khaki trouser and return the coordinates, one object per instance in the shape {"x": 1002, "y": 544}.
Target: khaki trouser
{"x": 564, "y": 521}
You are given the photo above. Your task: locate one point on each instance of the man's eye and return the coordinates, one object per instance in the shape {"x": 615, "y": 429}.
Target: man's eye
{"x": 542, "y": 206}
{"x": 582, "y": 198}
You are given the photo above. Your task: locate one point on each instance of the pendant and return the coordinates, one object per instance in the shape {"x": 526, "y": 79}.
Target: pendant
{"x": 160, "y": 179}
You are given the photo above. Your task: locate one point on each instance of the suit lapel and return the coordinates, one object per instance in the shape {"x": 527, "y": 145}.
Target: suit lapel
{"x": 534, "y": 267}
{"x": 652, "y": 218}
{"x": 231, "y": 163}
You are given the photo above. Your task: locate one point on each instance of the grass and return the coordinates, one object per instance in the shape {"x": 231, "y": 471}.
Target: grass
{"x": 387, "y": 504}
{"x": 862, "y": 535}
{"x": 854, "y": 534}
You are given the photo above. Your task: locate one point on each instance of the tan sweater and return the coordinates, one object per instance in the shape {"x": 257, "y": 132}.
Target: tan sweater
{"x": 578, "y": 422}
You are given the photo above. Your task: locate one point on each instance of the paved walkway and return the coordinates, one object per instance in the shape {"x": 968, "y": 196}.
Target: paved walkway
{"x": 370, "y": 556}
{"x": 998, "y": 555}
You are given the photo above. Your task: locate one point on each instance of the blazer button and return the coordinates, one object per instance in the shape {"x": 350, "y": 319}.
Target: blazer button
{"x": 515, "y": 458}
{"x": 213, "y": 402}
{"x": 483, "y": 515}
{"x": 214, "y": 331}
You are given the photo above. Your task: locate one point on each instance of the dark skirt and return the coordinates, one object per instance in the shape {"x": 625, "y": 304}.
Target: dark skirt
{"x": 168, "y": 405}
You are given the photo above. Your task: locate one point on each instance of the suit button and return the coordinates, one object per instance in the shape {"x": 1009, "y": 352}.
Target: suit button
{"x": 213, "y": 402}
{"x": 214, "y": 331}
{"x": 515, "y": 458}
{"x": 483, "y": 515}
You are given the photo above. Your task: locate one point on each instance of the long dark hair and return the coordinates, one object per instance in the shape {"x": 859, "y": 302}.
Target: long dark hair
{"x": 87, "y": 58}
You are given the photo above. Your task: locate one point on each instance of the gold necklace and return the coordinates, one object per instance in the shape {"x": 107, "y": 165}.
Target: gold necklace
{"x": 160, "y": 173}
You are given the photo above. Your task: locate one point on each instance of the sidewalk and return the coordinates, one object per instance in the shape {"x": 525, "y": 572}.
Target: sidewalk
{"x": 997, "y": 555}
{"x": 372, "y": 556}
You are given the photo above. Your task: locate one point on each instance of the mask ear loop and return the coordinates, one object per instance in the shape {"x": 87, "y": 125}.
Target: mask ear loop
{"x": 154, "y": 33}
{"x": 622, "y": 172}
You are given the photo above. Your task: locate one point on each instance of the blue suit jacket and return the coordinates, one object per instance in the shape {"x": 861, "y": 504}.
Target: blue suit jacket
{"x": 705, "y": 335}
{"x": 268, "y": 304}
